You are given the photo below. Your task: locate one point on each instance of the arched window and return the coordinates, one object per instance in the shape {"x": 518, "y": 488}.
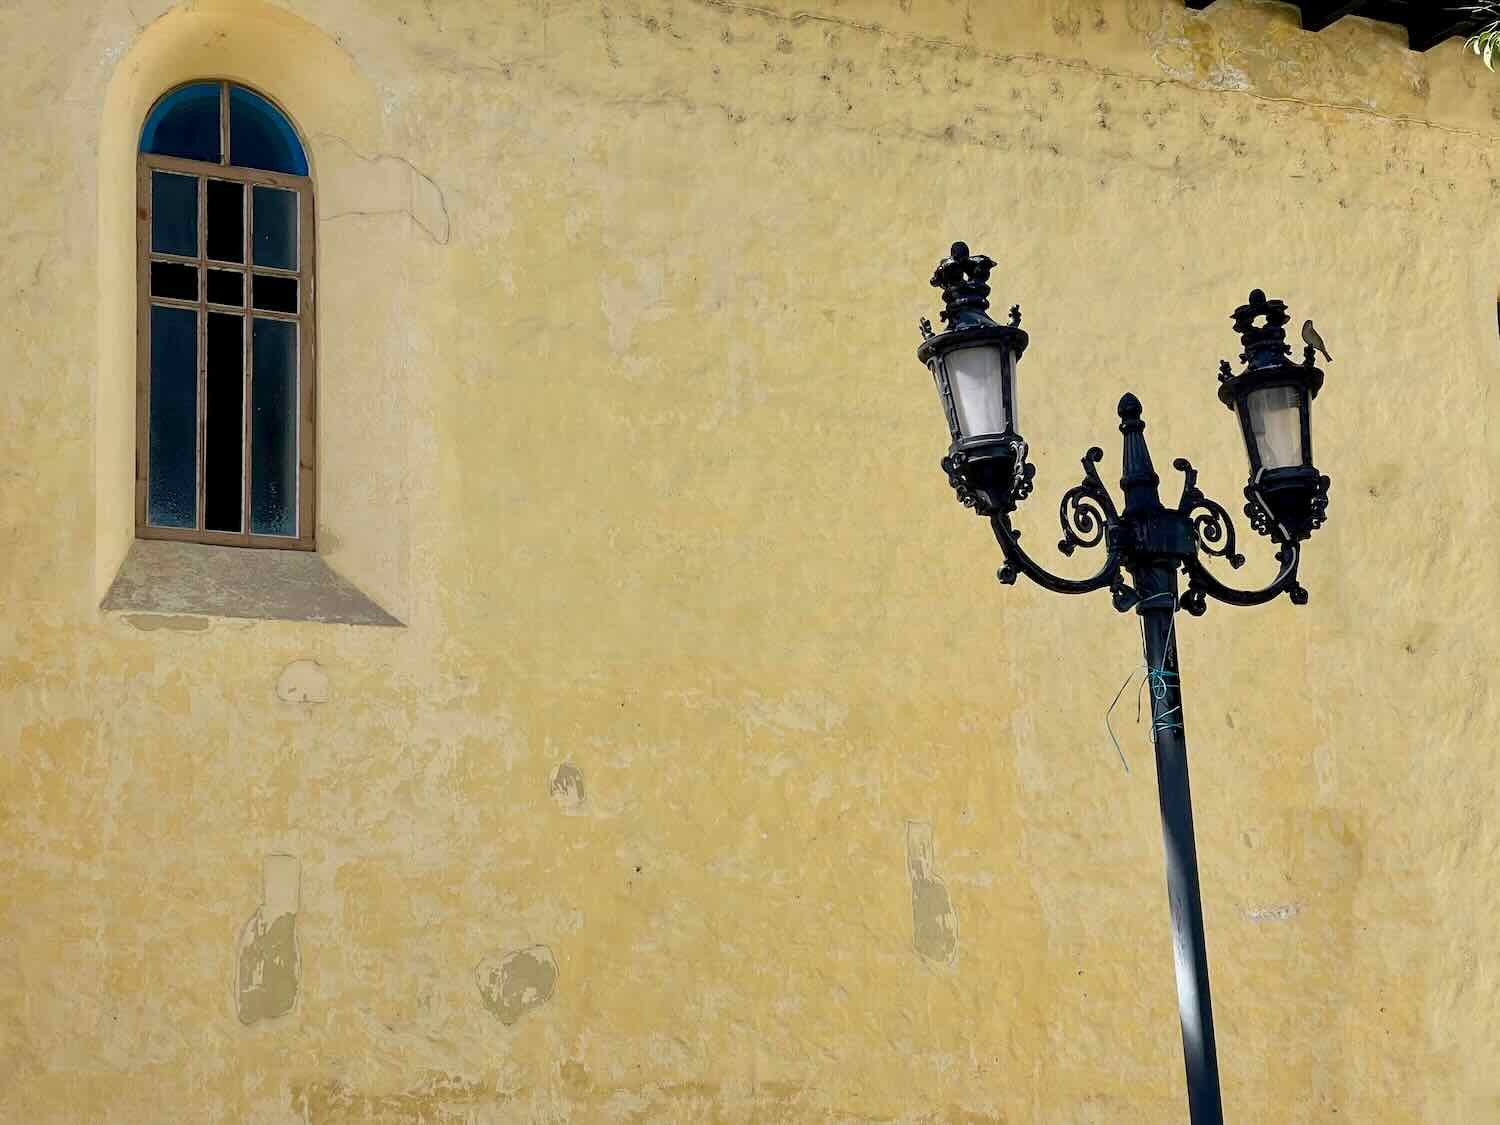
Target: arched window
{"x": 225, "y": 383}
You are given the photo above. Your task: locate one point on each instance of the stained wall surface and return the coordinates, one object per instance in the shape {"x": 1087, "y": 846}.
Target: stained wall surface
{"x": 711, "y": 777}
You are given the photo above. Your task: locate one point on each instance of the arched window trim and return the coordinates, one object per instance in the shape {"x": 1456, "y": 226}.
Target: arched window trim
{"x": 306, "y": 318}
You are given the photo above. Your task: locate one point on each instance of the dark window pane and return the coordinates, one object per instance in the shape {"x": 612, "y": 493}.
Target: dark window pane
{"x": 226, "y": 221}
{"x": 223, "y": 421}
{"x": 175, "y": 280}
{"x": 185, "y": 123}
{"x": 226, "y": 287}
{"x": 275, "y": 294}
{"x": 260, "y": 136}
{"x": 273, "y": 428}
{"x": 172, "y": 483}
{"x": 275, "y": 226}
{"x": 174, "y": 214}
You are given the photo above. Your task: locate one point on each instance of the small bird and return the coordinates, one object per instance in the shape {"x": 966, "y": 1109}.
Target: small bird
{"x": 1313, "y": 341}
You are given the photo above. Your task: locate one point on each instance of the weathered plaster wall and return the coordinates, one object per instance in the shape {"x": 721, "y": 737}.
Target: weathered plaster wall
{"x": 713, "y": 778}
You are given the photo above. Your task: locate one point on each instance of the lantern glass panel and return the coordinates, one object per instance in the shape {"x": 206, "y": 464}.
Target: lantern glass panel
{"x": 1276, "y": 423}
{"x": 978, "y": 376}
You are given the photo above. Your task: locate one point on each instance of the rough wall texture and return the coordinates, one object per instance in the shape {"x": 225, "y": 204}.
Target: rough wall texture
{"x": 712, "y": 777}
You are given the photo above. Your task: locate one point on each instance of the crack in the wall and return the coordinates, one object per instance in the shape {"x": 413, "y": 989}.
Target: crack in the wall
{"x": 352, "y": 184}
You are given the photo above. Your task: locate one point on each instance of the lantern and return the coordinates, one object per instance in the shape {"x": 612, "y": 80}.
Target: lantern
{"x": 1287, "y": 498}
{"x": 973, "y": 363}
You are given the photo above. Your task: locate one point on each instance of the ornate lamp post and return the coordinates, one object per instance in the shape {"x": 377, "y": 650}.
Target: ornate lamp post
{"x": 1147, "y": 545}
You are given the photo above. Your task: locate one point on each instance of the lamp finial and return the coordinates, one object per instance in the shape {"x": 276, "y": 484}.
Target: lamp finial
{"x": 1265, "y": 343}
{"x": 964, "y": 279}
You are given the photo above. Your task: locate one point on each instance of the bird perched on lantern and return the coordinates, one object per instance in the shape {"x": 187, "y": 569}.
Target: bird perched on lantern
{"x": 1314, "y": 343}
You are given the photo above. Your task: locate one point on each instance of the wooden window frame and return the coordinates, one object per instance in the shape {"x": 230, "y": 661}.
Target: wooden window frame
{"x": 305, "y": 318}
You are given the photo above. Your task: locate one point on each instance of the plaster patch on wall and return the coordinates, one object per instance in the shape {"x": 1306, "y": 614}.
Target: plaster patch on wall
{"x": 517, "y": 983}
{"x": 934, "y": 922}
{"x": 1273, "y": 913}
{"x": 351, "y": 183}
{"x": 799, "y": 711}
{"x": 628, "y": 303}
{"x": 302, "y": 681}
{"x": 269, "y": 966}
{"x": 565, "y": 786}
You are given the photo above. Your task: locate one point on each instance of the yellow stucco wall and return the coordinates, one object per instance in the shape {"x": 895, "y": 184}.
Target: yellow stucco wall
{"x": 704, "y": 676}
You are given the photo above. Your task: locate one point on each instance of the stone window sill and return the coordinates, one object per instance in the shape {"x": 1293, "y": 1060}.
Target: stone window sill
{"x": 165, "y": 577}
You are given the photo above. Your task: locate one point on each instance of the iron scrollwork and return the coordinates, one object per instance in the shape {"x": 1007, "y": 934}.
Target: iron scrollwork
{"x": 1202, "y": 585}
{"x": 1213, "y": 534}
{"x": 955, "y": 467}
{"x": 1086, "y": 510}
{"x": 1088, "y": 517}
{"x": 1213, "y": 530}
{"x": 1314, "y": 508}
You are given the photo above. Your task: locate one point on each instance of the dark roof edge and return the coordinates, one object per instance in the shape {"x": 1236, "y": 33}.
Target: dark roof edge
{"x": 1427, "y": 22}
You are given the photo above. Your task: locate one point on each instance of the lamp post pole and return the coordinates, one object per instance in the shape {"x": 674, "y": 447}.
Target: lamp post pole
{"x": 1155, "y": 582}
{"x": 1189, "y": 948}
{"x": 1149, "y": 546}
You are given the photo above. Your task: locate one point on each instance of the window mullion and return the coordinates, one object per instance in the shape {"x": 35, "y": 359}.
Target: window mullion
{"x": 202, "y": 318}
{"x": 224, "y": 123}
{"x": 247, "y": 326}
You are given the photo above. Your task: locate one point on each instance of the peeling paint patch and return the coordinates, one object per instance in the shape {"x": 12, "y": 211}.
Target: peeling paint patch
{"x": 269, "y": 966}
{"x": 150, "y": 622}
{"x": 517, "y": 983}
{"x": 934, "y": 922}
{"x": 302, "y": 681}
{"x": 1273, "y": 913}
{"x": 437, "y": 1099}
{"x": 565, "y": 786}
{"x": 1222, "y": 76}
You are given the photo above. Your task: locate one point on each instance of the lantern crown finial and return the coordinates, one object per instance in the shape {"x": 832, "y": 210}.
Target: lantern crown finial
{"x": 964, "y": 279}
{"x": 1265, "y": 343}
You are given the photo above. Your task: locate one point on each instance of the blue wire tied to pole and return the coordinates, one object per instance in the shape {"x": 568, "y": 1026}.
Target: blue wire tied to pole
{"x": 1109, "y": 727}
{"x": 1157, "y": 679}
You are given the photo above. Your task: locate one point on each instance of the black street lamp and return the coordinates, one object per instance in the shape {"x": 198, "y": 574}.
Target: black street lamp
{"x": 973, "y": 361}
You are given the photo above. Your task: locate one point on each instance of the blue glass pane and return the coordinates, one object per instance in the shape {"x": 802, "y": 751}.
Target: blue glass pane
{"x": 174, "y": 214}
{"x": 273, "y": 427}
{"x": 260, "y": 137}
{"x": 185, "y": 123}
{"x": 172, "y": 484}
{"x": 274, "y": 224}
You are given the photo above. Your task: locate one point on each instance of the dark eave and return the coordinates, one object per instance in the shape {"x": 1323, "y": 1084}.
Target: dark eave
{"x": 1427, "y": 22}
